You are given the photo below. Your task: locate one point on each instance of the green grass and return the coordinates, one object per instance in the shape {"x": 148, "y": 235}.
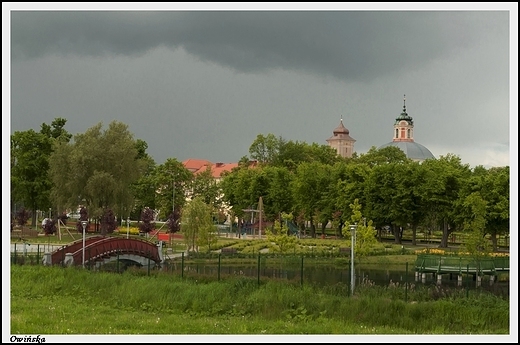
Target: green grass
{"x": 54, "y": 300}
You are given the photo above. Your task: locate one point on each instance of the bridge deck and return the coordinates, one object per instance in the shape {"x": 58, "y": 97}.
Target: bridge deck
{"x": 444, "y": 264}
{"x": 98, "y": 248}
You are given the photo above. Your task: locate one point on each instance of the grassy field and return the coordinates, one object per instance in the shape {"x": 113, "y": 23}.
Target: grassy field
{"x": 54, "y": 300}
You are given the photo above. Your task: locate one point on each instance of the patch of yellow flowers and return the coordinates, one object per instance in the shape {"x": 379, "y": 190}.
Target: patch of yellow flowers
{"x": 444, "y": 252}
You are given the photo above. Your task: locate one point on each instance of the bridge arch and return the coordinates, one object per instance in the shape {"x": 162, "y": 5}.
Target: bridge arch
{"x": 99, "y": 249}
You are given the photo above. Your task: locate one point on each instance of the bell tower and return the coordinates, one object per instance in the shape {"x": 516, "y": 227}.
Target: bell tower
{"x": 341, "y": 141}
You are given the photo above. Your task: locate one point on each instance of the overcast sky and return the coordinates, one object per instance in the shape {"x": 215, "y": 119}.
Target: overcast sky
{"x": 203, "y": 84}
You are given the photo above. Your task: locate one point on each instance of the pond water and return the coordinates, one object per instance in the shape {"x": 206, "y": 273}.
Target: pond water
{"x": 330, "y": 275}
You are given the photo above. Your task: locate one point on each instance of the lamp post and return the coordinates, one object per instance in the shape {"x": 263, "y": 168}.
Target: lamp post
{"x": 352, "y": 274}
{"x": 84, "y": 224}
{"x": 127, "y": 227}
{"x": 173, "y": 210}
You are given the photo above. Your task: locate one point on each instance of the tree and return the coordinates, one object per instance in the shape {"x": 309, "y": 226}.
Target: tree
{"x": 444, "y": 180}
{"x": 108, "y": 222}
{"x": 385, "y": 155}
{"x": 22, "y": 216}
{"x": 197, "y": 225}
{"x": 204, "y": 185}
{"x": 265, "y": 149}
{"x": 147, "y": 223}
{"x": 310, "y": 183}
{"x": 83, "y": 217}
{"x": 172, "y": 182}
{"x": 98, "y": 169}
{"x": 30, "y": 159}
{"x": 365, "y": 232}
{"x": 49, "y": 227}
{"x": 279, "y": 235}
{"x": 475, "y": 225}
{"x": 173, "y": 222}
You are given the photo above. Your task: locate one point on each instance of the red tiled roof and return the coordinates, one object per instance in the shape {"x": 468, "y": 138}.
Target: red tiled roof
{"x": 218, "y": 168}
{"x": 195, "y": 165}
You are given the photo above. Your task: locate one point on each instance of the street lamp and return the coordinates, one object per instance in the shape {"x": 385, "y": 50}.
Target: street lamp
{"x": 84, "y": 224}
{"x": 127, "y": 227}
{"x": 352, "y": 275}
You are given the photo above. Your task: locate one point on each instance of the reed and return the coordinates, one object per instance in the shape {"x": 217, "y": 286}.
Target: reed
{"x": 55, "y": 300}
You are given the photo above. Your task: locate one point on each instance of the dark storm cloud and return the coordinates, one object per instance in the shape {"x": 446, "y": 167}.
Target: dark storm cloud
{"x": 348, "y": 45}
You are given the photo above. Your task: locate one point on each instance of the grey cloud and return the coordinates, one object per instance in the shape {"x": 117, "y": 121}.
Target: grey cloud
{"x": 348, "y": 45}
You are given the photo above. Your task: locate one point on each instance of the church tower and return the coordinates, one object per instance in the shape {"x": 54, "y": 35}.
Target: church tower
{"x": 341, "y": 141}
{"x": 403, "y": 138}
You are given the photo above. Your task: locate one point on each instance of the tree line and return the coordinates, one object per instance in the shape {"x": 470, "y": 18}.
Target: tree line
{"x": 108, "y": 171}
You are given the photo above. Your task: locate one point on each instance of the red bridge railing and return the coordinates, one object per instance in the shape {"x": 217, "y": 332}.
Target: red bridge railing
{"x": 98, "y": 248}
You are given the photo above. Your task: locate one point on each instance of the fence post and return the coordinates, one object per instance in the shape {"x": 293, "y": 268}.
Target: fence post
{"x": 406, "y": 284}
{"x": 258, "y": 270}
{"x": 37, "y": 254}
{"x": 301, "y": 274}
{"x": 467, "y": 280}
{"x": 149, "y": 263}
{"x": 218, "y": 267}
{"x": 182, "y": 265}
{"x": 14, "y": 257}
{"x": 349, "y": 277}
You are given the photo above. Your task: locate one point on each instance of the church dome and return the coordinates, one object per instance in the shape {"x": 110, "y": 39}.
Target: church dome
{"x": 340, "y": 129}
{"x": 403, "y": 138}
{"x": 413, "y": 150}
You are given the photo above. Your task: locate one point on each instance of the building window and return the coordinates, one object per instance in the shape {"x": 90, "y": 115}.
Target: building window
{"x": 408, "y": 134}
{"x": 396, "y": 133}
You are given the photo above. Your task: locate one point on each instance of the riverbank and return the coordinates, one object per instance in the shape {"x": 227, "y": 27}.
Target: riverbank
{"x": 87, "y": 302}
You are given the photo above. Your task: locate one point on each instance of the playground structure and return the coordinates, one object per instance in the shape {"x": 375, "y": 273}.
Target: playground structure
{"x": 100, "y": 250}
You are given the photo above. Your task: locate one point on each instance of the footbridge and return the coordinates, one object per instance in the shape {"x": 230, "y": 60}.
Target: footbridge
{"x": 102, "y": 249}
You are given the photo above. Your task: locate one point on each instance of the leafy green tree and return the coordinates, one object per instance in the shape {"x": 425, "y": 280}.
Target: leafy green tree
{"x": 375, "y": 156}
{"x": 444, "y": 180}
{"x": 265, "y": 149}
{"x": 279, "y": 235}
{"x": 97, "y": 169}
{"x": 382, "y": 203}
{"x": 30, "y": 160}
{"x": 144, "y": 189}
{"x": 173, "y": 184}
{"x": 204, "y": 185}
{"x": 310, "y": 182}
{"x": 475, "y": 226}
{"x": 409, "y": 193}
{"x": 243, "y": 187}
{"x": 492, "y": 185}
{"x": 277, "y": 197}
{"x": 197, "y": 225}
{"x": 350, "y": 185}
{"x": 365, "y": 235}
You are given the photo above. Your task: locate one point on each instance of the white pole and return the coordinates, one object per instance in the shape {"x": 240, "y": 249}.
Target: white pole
{"x": 84, "y": 224}
{"x": 83, "y": 246}
{"x": 352, "y": 275}
{"x": 127, "y": 227}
